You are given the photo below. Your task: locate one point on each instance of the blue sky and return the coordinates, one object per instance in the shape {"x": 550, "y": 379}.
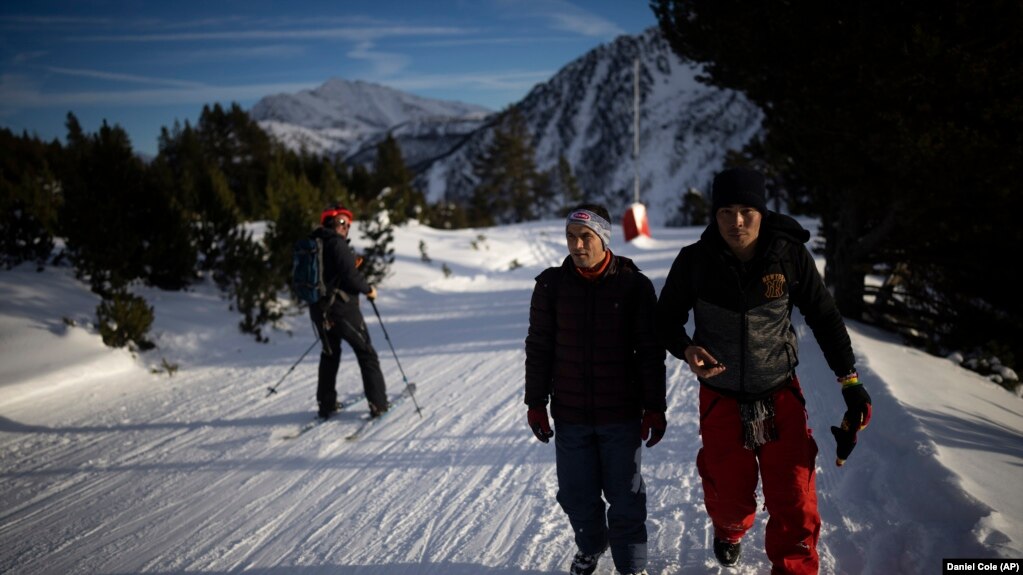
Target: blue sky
{"x": 144, "y": 64}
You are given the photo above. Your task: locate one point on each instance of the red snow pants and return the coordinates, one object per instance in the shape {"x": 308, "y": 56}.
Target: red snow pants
{"x": 787, "y": 466}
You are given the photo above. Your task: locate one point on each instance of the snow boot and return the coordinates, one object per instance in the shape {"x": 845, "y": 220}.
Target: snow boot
{"x": 375, "y": 411}
{"x": 583, "y": 564}
{"x": 727, "y": 552}
{"x": 326, "y": 410}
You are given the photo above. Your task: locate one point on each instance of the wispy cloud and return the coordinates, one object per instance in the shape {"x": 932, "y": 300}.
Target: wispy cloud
{"x": 18, "y": 92}
{"x": 491, "y": 41}
{"x": 506, "y": 80}
{"x": 35, "y": 22}
{"x": 337, "y": 33}
{"x": 384, "y": 64}
{"x": 262, "y": 52}
{"x": 25, "y": 57}
{"x": 584, "y": 23}
{"x": 562, "y": 15}
{"x": 130, "y": 78}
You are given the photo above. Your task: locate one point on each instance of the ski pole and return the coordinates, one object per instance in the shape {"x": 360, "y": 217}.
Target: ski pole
{"x": 388, "y": 338}
{"x": 273, "y": 390}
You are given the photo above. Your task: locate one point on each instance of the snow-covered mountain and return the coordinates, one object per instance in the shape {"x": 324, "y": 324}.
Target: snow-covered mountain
{"x": 584, "y": 112}
{"x": 340, "y": 118}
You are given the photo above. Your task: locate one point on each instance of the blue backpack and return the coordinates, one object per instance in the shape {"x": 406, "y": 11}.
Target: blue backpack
{"x": 307, "y": 271}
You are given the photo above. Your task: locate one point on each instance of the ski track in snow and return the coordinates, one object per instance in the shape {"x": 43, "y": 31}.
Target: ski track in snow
{"x": 189, "y": 474}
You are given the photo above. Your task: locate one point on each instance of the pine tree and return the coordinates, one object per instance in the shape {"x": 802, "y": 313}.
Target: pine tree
{"x": 507, "y": 189}
{"x": 245, "y": 273}
{"x": 170, "y": 257}
{"x": 242, "y": 151}
{"x": 402, "y": 202}
{"x": 362, "y": 186}
{"x": 694, "y": 209}
{"x": 565, "y": 186}
{"x": 29, "y": 201}
{"x": 295, "y": 206}
{"x": 331, "y": 187}
{"x": 888, "y": 117}
{"x": 118, "y": 228}
{"x": 124, "y": 319}
{"x": 202, "y": 190}
{"x": 379, "y": 254}
{"x": 446, "y": 216}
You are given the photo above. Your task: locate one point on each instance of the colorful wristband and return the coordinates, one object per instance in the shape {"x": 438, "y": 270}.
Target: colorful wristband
{"x": 852, "y": 379}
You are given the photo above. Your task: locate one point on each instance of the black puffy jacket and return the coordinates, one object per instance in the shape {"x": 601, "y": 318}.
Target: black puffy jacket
{"x": 742, "y": 311}
{"x": 592, "y": 347}
{"x": 340, "y": 271}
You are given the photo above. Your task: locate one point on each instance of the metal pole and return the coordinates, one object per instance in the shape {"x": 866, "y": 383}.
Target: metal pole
{"x": 273, "y": 390}
{"x": 635, "y": 127}
{"x": 388, "y": 338}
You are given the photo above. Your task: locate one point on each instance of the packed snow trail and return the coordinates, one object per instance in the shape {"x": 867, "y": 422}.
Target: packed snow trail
{"x": 131, "y": 472}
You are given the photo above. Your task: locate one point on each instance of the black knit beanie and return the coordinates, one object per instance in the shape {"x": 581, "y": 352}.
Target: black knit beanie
{"x": 743, "y": 186}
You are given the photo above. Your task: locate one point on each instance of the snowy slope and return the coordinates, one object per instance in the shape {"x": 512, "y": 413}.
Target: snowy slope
{"x": 111, "y": 469}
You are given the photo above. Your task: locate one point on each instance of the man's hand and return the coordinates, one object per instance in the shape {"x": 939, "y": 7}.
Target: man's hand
{"x": 372, "y": 295}
{"x": 539, "y": 423}
{"x": 857, "y": 404}
{"x": 652, "y": 427}
{"x": 702, "y": 363}
{"x": 846, "y": 440}
{"x": 857, "y": 416}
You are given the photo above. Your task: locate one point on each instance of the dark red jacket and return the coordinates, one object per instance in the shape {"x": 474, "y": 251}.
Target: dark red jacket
{"x": 592, "y": 347}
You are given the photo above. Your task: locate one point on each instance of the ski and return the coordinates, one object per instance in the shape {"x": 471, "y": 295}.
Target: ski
{"x": 369, "y": 422}
{"x": 316, "y": 422}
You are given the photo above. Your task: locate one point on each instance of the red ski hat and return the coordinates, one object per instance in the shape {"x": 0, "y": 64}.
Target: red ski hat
{"x": 329, "y": 216}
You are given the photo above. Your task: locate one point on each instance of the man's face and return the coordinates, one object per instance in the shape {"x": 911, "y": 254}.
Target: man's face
{"x": 343, "y": 226}
{"x": 740, "y": 227}
{"x": 584, "y": 245}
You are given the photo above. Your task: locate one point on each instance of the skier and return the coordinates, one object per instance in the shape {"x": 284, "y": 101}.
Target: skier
{"x": 592, "y": 351}
{"x": 338, "y": 317}
{"x": 741, "y": 280}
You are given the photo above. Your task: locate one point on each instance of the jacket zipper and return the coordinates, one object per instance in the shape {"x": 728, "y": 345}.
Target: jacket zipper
{"x": 743, "y": 329}
{"x": 588, "y": 364}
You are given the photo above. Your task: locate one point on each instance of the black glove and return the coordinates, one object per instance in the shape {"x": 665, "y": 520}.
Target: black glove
{"x": 652, "y": 427}
{"x": 846, "y": 440}
{"x": 857, "y": 404}
{"x": 539, "y": 423}
{"x": 857, "y": 416}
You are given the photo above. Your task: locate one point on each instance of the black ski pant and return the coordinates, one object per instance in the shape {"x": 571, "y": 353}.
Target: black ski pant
{"x": 351, "y": 328}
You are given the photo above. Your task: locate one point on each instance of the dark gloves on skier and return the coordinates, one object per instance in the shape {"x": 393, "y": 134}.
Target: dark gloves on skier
{"x": 539, "y": 423}
{"x": 653, "y": 427}
{"x": 856, "y": 418}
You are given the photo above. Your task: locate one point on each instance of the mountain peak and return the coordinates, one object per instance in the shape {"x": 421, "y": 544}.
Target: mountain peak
{"x": 344, "y": 112}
